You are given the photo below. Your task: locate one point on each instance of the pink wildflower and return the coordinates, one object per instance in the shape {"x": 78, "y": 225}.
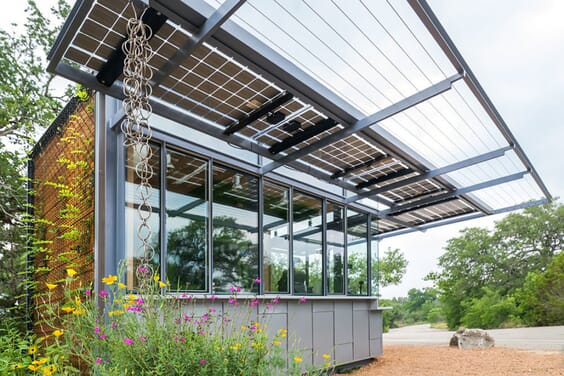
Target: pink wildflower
{"x": 99, "y": 360}
{"x": 96, "y": 330}
{"x": 269, "y": 306}
{"x": 143, "y": 339}
{"x": 257, "y": 280}
{"x": 102, "y": 336}
{"x": 202, "y": 361}
{"x": 128, "y": 341}
{"x": 232, "y": 300}
{"x": 276, "y": 300}
{"x": 303, "y": 299}
{"x": 103, "y": 293}
{"x": 212, "y": 297}
{"x": 254, "y": 302}
{"x": 213, "y": 309}
{"x": 88, "y": 292}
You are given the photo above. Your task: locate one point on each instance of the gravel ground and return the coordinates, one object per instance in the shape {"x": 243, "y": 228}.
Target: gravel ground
{"x": 425, "y": 360}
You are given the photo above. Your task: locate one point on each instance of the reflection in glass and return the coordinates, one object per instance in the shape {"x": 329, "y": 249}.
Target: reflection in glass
{"x": 308, "y": 244}
{"x": 374, "y": 256}
{"x": 276, "y": 238}
{"x": 357, "y": 253}
{"x": 335, "y": 248}
{"x": 235, "y": 230}
{"x": 186, "y": 222}
{"x": 133, "y": 246}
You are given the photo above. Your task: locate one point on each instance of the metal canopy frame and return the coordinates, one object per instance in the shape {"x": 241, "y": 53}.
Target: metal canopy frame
{"x": 326, "y": 124}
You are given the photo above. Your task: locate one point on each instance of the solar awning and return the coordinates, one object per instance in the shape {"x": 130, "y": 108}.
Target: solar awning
{"x": 371, "y": 96}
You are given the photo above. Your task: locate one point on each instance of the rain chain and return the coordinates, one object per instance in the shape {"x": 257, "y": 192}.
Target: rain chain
{"x": 137, "y": 90}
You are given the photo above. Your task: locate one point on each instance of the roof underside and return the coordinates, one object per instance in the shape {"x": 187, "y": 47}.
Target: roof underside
{"x": 370, "y": 96}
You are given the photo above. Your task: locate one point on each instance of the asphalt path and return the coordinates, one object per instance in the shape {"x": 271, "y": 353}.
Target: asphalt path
{"x": 548, "y": 338}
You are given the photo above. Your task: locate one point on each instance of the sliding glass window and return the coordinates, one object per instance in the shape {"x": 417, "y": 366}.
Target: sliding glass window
{"x": 357, "y": 253}
{"x": 186, "y": 222}
{"x": 134, "y": 249}
{"x": 307, "y": 245}
{"x": 235, "y": 230}
{"x": 335, "y": 248}
{"x": 276, "y": 243}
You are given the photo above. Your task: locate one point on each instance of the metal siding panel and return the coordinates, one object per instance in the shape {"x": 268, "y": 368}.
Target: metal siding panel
{"x": 343, "y": 316}
{"x": 322, "y": 306}
{"x": 361, "y": 334}
{"x": 323, "y": 331}
{"x": 300, "y": 323}
{"x": 344, "y": 353}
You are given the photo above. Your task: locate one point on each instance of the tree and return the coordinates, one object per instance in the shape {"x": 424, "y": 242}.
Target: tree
{"x": 481, "y": 270}
{"x": 391, "y": 267}
{"x": 27, "y": 103}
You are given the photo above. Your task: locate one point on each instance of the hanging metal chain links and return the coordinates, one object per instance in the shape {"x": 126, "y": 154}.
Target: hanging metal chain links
{"x": 137, "y": 130}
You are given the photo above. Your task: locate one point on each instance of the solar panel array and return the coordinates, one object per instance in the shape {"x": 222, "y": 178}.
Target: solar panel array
{"x": 215, "y": 86}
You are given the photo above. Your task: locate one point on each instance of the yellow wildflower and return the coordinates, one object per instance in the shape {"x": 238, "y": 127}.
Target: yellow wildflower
{"x": 277, "y": 342}
{"x": 297, "y": 359}
{"x": 244, "y": 327}
{"x": 259, "y": 330}
{"x": 121, "y": 285}
{"x": 156, "y": 278}
{"x": 33, "y": 367}
{"x": 77, "y": 300}
{"x": 57, "y": 333}
{"x": 327, "y": 364}
{"x": 162, "y": 284}
{"x": 50, "y": 286}
{"x": 78, "y": 311}
{"x": 49, "y": 370}
{"x": 18, "y": 366}
{"x": 115, "y": 313}
{"x": 326, "y": 356}
{"x": 71, "y": 272}
{"x": 32, "y": 350}
{"x": 68, "y": 309}
{"x": 110, "y": 280}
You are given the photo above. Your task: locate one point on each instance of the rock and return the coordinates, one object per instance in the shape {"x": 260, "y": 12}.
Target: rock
{"x": 472, "y": 339}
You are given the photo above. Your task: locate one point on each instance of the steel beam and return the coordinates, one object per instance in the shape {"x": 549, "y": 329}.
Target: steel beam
{"x": 368, "y": 121}
{"x": 74, "y": 20}
{"x": 462, "y": 218}
{"x": 433, "y": 25}
{"x": 210, "y": 26}
{"x": 436, "y": 172}
{"x": 458, "y": 192}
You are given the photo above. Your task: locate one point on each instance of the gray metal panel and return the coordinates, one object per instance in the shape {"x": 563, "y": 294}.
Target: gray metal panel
{"x": 300, "y": 321}
{"x": 323, "y": 335}
{"x": 375, "y": 324}
{"x": 361, "y": 305}
{"x": 344, "y": 353}
{"x": 376, "y": 348}
{"x": 360, "y": 334}
{"x": 344, "y": 316}
{"x": 323, "y": 306}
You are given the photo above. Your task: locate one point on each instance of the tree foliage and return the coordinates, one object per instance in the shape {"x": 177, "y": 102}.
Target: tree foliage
{"x": 392, "y": 267}
{"x": 27, "y": 104}
{"x": 482, "y": 270}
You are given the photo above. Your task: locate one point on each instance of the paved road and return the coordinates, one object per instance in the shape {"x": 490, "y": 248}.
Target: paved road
{"x": 539, "y": 339}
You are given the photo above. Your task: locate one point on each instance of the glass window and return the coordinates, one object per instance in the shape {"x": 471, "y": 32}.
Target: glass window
{"x": 357, "y": 253}
{"x": 276, "y": 226}
{"x": 186, "y": 222}
{"x": 235, "y": 230}
{"x": 374, "y": 257}
{"x": 133, "y": 246}
{"x": 308, "y": 244}
{"x": 335, "y": 248}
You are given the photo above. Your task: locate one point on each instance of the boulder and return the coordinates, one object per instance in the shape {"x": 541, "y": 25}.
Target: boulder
{"x": 471, "y": 339}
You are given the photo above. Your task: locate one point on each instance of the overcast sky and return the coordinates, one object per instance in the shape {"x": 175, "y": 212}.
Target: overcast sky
{"x": 516, "y": 50}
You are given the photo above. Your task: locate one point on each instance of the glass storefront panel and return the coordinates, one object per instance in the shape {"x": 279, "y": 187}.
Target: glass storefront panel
{"x": 186, "y": 222}
{"x": 235, "y": 230}
{"x": 335, "y": 248}
{"x": 276, "y": 243}
{"x": 134, "y": 250}
{"x": 374, "y": 258}
{"x": 357, "y": 253}
{"x": 307, "y": 245}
